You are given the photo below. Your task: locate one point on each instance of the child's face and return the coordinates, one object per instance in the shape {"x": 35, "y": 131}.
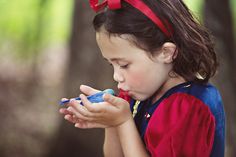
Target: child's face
{"x": 134, "y": 70}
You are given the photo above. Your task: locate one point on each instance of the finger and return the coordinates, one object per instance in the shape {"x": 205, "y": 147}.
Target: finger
{"x": 89, "y": 110}
{"x": 88, "y": 90}
{"x": 91, "y": 107}
{"x": 71, "y": 118}
{"x": 94, "y": 116}
{"x": 112, "y": 99}
{"x": 78, "y": 120}
{"x": 89, "y": 125}
{"x": 65, "y": 111}
{"x": 64, "y": 99}
{"x": 81, "y": 113}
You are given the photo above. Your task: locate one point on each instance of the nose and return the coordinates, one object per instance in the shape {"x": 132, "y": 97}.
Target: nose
{"x": 118, "y": 77}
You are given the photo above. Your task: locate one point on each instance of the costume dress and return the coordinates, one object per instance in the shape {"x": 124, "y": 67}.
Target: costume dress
{"x": 187, "y": 121}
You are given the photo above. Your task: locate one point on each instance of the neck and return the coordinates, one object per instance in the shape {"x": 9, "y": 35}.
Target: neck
{"x": 171, "y": 82}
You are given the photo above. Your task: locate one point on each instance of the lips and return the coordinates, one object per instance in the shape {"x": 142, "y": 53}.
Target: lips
{"x": 124, "y": 95}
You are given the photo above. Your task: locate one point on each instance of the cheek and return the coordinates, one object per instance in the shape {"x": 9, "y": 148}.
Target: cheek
{"x": 136, "y": 80}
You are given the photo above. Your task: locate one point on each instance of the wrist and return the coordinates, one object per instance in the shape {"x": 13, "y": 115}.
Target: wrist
{"x": 122, "y": 120}
{"x": 129, "y": 122}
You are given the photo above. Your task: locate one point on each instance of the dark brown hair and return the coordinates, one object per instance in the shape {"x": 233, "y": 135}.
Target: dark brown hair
{"x": 196, "y": 55}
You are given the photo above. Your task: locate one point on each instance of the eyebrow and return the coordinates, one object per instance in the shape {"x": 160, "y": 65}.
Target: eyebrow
{"x": 116, "y": 59}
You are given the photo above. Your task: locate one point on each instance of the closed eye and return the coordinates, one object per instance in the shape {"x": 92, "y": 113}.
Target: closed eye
{"x": 124, "y": 66}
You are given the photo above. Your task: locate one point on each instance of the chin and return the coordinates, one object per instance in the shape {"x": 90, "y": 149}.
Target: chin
{"x": 139, "y": 98}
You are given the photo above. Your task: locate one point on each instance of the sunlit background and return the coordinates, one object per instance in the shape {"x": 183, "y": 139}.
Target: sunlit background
{"x": 47, "y": 50}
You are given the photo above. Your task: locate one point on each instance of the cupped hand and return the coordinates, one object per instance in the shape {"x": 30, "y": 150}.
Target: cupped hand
{"x": 68, "y": 115}
{"x": 112, "y": 112}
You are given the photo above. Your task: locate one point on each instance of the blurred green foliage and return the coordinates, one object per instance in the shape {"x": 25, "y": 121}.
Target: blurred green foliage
{"x": 196, "y": 7}
{"x": 28, "y": 26}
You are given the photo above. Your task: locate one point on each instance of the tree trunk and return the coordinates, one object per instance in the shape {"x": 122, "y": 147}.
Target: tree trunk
{"x": 218, "y": 18}
{"x": 85, "y": 66}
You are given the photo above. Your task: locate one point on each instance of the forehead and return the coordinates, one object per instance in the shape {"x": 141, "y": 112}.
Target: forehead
{"x": 114, "y": 46}
{"x": 104, "y": 37}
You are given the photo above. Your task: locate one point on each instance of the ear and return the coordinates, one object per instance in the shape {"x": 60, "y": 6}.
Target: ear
{"x": 168, "y": 52}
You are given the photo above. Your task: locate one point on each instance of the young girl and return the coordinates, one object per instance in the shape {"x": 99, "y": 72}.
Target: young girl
{"x": 162, "y": 60}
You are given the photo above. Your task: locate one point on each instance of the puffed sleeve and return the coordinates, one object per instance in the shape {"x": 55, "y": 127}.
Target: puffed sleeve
{"x": 181, "y": 126}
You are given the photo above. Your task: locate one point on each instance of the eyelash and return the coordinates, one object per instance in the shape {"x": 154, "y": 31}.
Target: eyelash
{"x": 124, "y": 66}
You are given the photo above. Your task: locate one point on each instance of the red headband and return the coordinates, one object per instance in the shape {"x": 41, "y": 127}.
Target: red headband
{"x": 138, "y": 4}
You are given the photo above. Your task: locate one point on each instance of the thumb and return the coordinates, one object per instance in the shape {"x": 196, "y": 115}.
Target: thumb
{"x": 88, "y": 90}
{"x": 112, "y": 99}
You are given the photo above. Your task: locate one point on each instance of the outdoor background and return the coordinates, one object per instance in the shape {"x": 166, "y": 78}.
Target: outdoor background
{"x": 47, "y": 49}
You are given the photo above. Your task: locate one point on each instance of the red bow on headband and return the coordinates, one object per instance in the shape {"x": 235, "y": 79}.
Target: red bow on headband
{"x": 112, "y": 4}
{"x": 138, "y": 4}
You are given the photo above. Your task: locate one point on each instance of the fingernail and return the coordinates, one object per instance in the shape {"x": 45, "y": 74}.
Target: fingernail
{"x": 73, "y": 101}
{"x": 69, "y": 109}
{"x": 66, "y": 117}
{"x": 82, "y": 85}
